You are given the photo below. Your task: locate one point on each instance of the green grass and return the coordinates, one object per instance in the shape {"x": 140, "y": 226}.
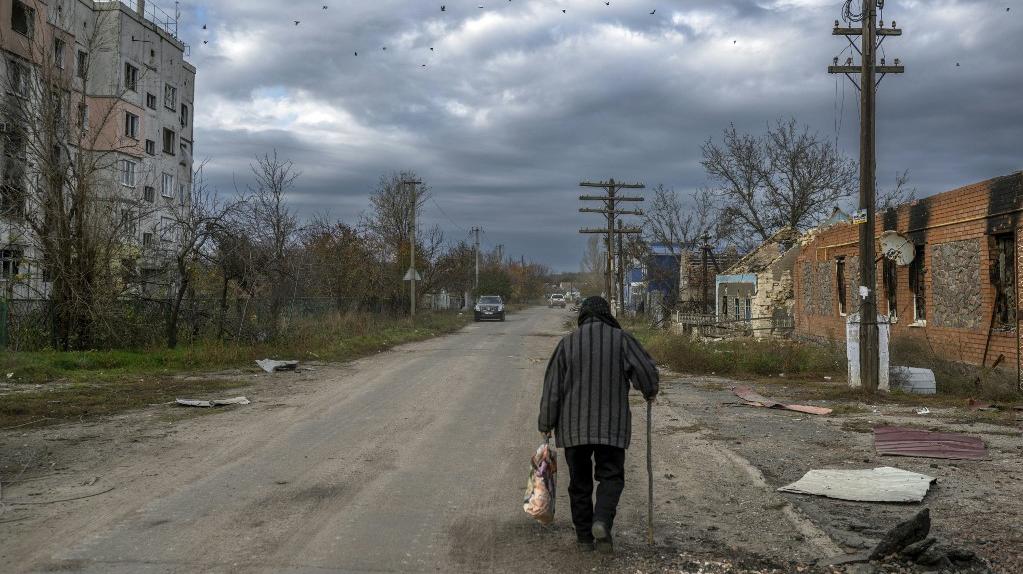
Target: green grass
{"x": 103, "y": 382}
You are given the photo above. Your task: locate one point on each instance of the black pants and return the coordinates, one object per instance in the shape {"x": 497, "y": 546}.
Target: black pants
{"x": 607, "y": 465}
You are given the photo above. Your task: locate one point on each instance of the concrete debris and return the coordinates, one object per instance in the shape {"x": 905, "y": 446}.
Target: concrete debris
{"x": 755, "y": 399}
{"x": 271, "y": 366}
{"x": 213, "y": 403}
{"x": 884, "y": 484}
{"x": 914, "y": 380}
{"x": 923, "y": 411}
{"x": 903, "y": 534}
{"x": 899, "y": 441}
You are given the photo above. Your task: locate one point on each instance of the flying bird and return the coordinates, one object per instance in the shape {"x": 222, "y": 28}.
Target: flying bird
{"x": 957, "y": 64}
{"x": 297, "y": 22}
{"x": 204, "y": 26}
{"x": 356, "y": 54}
{"x": 205, "y": 41}
{"x": 443, "y": 8}
{"x": 563, "y": 11}
{"x": 324, "y": 6}
{"x": 431, "y": 48}
{"x": 654, "y": 11}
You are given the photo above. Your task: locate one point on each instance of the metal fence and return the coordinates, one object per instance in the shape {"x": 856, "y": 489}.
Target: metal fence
{"x": 722, "y": 327}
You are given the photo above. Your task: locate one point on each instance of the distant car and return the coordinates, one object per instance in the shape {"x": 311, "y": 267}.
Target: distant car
{"x": 557, "y": 300}
{"x": 489, "y": 308}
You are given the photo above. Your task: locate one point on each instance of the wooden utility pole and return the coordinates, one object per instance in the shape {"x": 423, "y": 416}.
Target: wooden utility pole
{"x": 412, "y": 248}
{"x": 611, "y": 213}
{"x": 867, "y": 70}
{"x": 620, "y": 278}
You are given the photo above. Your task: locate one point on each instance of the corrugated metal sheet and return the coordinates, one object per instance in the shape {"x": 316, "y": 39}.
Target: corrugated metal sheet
{"x": 755, "y": 399}
{"x": 900, "y": 441}
{"x": 884, "y": 484}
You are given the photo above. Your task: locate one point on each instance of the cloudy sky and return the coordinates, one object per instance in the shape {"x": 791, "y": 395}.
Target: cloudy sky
{"x": 519, "y": 101}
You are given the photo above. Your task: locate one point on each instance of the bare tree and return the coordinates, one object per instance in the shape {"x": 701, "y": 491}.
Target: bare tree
{"x": 899, "y": 194}
{"x": 274, "y": 226}
{"x": 678, "y": 224}
{"x": 593, "y": 266}
{"x": 389, "y": 226}
{"x": 787, "y": 177}
{"x": 195, "y": 223}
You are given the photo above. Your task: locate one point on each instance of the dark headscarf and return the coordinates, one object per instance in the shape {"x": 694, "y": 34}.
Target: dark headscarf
{"x": 597, "y": 309}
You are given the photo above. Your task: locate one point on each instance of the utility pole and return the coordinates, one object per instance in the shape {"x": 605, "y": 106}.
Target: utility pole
{"x": 476, "y": 231}
{"x": 621, "y": 266}
{"x": 412, "y": 247}
{"x": 705, "y": 249}
{"x": 871, "y": 38}
{"x": 611, "y": 213}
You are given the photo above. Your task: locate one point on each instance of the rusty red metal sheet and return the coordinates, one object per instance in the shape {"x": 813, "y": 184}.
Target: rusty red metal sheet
{"x": 901, "y": 441}
{"x": 755, "y": 399}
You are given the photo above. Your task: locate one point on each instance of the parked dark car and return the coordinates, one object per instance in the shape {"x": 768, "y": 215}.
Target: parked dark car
{"x": 489, "y": 308}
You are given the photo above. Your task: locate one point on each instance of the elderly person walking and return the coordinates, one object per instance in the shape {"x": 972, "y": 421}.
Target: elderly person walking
{"x": 586, "y": 403}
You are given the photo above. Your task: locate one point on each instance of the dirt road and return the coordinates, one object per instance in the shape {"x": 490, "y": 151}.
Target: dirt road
{"x": 414, "y": 460}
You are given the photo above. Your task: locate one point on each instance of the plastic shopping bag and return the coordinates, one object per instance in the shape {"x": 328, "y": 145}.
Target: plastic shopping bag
{"x": 542, "y": 485}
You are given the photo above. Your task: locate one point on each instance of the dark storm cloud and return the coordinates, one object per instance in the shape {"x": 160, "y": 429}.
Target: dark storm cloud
{"x": 519, "y": 102}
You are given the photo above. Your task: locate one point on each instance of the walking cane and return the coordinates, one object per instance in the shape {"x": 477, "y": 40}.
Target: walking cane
{"x": 650, "y": 479}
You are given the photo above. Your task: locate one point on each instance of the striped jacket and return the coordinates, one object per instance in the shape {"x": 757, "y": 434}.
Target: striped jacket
{"x": 586, "y": 387}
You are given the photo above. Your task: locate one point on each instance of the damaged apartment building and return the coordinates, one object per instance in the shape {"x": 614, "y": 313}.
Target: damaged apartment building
{"x": 113, "y": 79}
{"x": 959, "y": 293}
{"x": 755, "y": 295}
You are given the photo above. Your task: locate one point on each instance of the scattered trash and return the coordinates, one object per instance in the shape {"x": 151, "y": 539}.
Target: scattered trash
{"x": 270, "y": 365}
{"x": 899, "y": 441}
{"x": 213, "y": 403}
{"x": 883, "y": 484}
{"x": 923, "y": 411}
{"x": 10, "y": 375}
{"x": 827, "y": 378}
{"x": 755, "y": 399}
{"x": 914, "y": 380}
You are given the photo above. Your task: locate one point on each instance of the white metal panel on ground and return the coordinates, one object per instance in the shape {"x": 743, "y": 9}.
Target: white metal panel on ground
{"x": 884, "y": 484}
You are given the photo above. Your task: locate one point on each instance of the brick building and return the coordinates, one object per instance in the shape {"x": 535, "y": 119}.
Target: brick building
{"x": 959, "y": 295}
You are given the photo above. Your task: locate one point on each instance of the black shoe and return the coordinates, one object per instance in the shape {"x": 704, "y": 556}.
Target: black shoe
{"x": 602, "y": 535}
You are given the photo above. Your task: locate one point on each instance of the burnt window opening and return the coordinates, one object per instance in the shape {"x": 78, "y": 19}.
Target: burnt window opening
{"x": 917, "y": 284}
{"x": 724, "y": 306}
{"x": 23, "y": 19}
{"x": 10, "y": 263}
{"x": 1003, "y": 279}
{"x": 890, "y": 276}
{"x": 840, "y": 278}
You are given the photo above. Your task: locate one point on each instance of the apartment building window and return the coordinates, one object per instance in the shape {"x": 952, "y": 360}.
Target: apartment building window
{"x": 12, "y": 191}
{"x": 23, "y": 19}
{"x": 131, "y": 125}
{"x": 167, "y": 229}
{"x": 182, "y": 192}
{"x": 18, "y": 74}
{"x": 149, "y": 194}
{"x": 150, "y": 147}
{"x": 917, "y": 284}
{"x": 169, "y": 141}
{"x": 737, "y": 309}
{"x": 170, "y": 96}
{"x": 184, "y": 116}
{"x": 10, "y": 263}
{"x": 151, "y": 101}
{"x": 167, "y": 189}
{"x": 749, "y": 309}
{"x": 724, "y": 306}
{"x": 58, "y": 52}
{"x": 128, "y": 223}
{"x": 83, "y": 117}
{"x": 127, "y": 173}
{"x": 840, "y": 279}
{"x": 147, "y": 239}
{"x": 890, "y": 276}
{"x": 131, "y": 77}
{"x": 1003, "y": 278}
{"x": 82, "y": 64}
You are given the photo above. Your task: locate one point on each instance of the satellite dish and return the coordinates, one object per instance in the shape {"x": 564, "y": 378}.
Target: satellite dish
{"x": 897, "y": 248}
